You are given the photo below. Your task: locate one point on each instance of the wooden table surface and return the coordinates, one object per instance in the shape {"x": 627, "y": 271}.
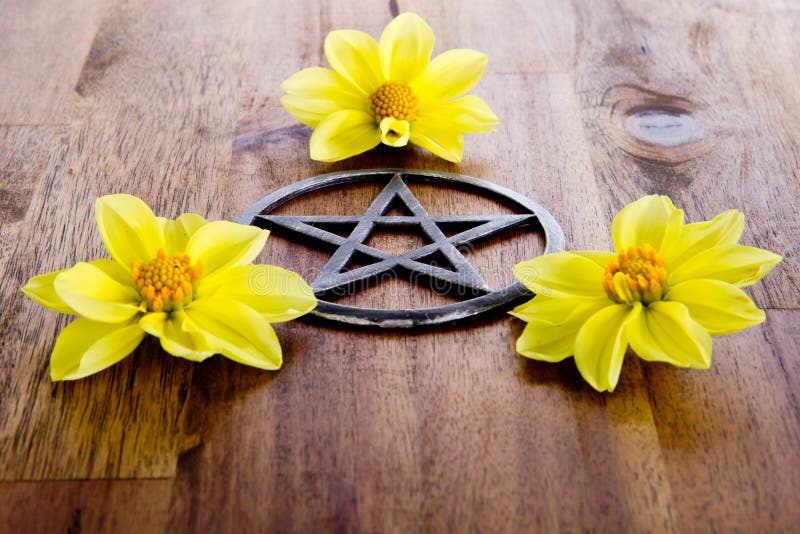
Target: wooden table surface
{"x": 440, "y": 430}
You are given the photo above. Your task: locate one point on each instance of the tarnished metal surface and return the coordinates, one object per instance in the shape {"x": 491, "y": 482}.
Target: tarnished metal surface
{"x": 440, "y": 262}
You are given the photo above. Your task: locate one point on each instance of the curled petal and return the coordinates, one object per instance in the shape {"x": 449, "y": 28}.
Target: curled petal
{"x": 128, "y": 228}
{"x": 553, "y": 325}
{"x": 85, "y": 347}
{"x": 236, "y": 331}
{"x": 277, "y": 294}
{"x": 468, "y": 114}
{"x": 91, "y": 292}
{"x": 561, "y": 274}
{"x": 222, "y": 244}
{"x": 405, "y": 48}
{"x": 344, "y": 134}
{"x": 601, "y": 344}
{"x": 735, "y": 264}
{"x": 355, "y": 56}
{"x": 719, "y": 307}
{"x": 665, "y": 332}
{"x": 651, "y": 220}
{"x": 394, "y": 132}
{"x": 450, "y": 75}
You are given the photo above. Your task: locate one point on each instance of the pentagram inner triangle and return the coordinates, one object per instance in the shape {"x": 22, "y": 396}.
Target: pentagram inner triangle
{"x": 397, "y": 208}
{"x": 353, "y": 262}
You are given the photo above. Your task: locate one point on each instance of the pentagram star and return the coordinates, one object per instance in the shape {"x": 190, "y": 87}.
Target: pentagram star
{"x": 463, "y": 278}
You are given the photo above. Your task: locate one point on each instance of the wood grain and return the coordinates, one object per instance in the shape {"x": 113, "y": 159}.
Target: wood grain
{"x": 438, "y": 430}
{"x": 699, "y": 65}
{"x": 41, "y": 55}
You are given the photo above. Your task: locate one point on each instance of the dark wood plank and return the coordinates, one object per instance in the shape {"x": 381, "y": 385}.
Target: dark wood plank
{"x": 384, "y": 446}
{"x": 730, "y": 435}
{"x": 74, "y": 506}
{"x": 525, "y": 445}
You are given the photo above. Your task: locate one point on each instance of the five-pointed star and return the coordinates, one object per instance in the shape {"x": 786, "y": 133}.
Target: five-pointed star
{"x": 335, "y": 276}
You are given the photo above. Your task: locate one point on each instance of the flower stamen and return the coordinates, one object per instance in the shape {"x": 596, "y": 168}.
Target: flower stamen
{"x": 638, "y": 274}
{"x": 166, "y": 284}
{"x": 393, "y": 100}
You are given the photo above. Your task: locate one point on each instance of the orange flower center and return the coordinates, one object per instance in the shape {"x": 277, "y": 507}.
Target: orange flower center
{"x": 166, "y": 284}
{"x": 638, "y": 274}
{"x": 393, "y": 100}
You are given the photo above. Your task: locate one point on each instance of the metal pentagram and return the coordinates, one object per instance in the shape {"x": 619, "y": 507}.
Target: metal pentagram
{"x": 440, "y": 263}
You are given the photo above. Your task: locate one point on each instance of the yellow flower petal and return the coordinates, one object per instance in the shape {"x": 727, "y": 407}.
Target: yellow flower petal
{"x": 561, "y": 274}
{"x": 354, "y": 55}
{"x": 40, "y": 288}
{"x": 558, "y": 310}
{"x": 315, "y": 93}
{"x": 394, "y": 132}
{"x": 277, "y": 294}
{"x": 553, "y": 325}
{"x": 600, "y": 257}
{"x": 724, "y": 229}
{"x": 450, "y": 75}
{"x": 85, "y": 347}
{"x": 88, "y": 290}
{"x": 344, "y": 134}
{"x": 178, "y": 232}
{"x": 601, "y": 344}
{"x": 405, "y": 48}
{"x": 651, "y": 220}
{"x": 306, "y": 110}
{"x": 735, "y": 264}
{"x": 128, "y": 229}
{"x": 719, "y": 307}
{"x": 113, "y": 270}
{"x": 321, "y": 83}
{"x": 171, "y": 330}
{"x": 447, "y": 144}
{"x": 547, "y": 343}
{"x": 468, "y": 114}
{"x": 223, "y": 244}
{"x": 237, "y": 332}
{"x": 665, "y": 332}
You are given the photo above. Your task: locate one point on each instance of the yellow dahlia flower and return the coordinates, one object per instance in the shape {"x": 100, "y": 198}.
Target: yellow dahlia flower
{"x": 389, "y": 92}
{"x": 188, "y": 282}
{"x": 667, "y": 290}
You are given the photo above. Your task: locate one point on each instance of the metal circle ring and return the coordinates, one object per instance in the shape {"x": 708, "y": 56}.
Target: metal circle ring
{"x": 333, "y": 277}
